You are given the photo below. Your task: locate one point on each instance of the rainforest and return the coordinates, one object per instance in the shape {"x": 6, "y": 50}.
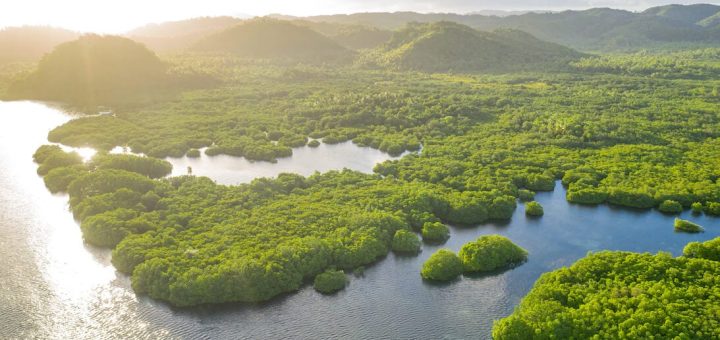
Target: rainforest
{"x": 479, "y": 119}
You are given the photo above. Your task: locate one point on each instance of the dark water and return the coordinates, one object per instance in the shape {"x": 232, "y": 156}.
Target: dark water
{"x": 52, "y": 286}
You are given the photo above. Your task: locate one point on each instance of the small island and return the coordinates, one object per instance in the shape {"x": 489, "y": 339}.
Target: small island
{"x": 687, "y": 226}
{"x": 487, "y": 253}
{"x": 534, "y": 209}
{"x": 443, "y": 265}
{"x": 491, "y": 252}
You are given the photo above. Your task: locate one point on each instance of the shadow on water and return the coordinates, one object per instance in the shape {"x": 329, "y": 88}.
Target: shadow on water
{"x": 440, "y": 284}
{"x": 491, "y": 273}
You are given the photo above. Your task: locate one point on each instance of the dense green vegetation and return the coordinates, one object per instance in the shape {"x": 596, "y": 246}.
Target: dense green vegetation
{"x": 60, "y": 168}
{"x": 614, "y": 295}
{"x": 490, "y": 252}
{"x": 709, "y": 250}
{"x": 405, "y": 241}
{"x": 670, "y": 207}
{"x": 526, "y": 195}
{"x": 330, "y": 281}
{"x": 435, "y": 232}
{"x": 687, "y": 226}
{"x": 534, "y": 209}
{"x": 487, "y": 253}
{"x": 641, "y": 133}
{"x": 151, "y": 167}
{"x": 252, "y": 241}
{"x": 443, "y": 265}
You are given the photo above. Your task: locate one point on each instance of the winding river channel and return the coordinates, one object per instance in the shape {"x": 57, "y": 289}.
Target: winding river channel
{"x": 53, "y": 286}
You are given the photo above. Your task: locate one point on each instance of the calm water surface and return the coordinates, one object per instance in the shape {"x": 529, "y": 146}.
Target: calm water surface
{"x": 52, "y": 286}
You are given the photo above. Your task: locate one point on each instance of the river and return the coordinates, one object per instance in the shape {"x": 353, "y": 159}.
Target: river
{"x": 53, "y": 286}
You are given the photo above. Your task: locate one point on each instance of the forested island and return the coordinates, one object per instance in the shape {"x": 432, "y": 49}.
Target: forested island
{"x": 487, "y": 119}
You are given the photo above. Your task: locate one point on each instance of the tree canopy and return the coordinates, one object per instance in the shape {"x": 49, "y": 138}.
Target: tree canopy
{"x": 620, "y": 295}
{"x": 490, "y": 252}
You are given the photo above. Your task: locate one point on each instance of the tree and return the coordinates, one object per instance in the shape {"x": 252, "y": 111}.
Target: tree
{"x": 330, "y": 281}
{"x": 526, "y": 195}
{"x": 697, "y": 208}
{"x": 533, "y": 209}
{"x": 670, "y": 207}
{"x": 709, "y": 250}
{"x": 490, "y": 252}
{"x": 435, "y": 232}
{"x": 443, "y": 265}
{"x": 405, "y": 241}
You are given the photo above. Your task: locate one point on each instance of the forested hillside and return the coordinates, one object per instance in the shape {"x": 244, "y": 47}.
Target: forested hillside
{"x": 274, "y": 39}
{"x": 594, "y": 30}
{"x": 99, "y": 70}
{"x": 450, "y": 47}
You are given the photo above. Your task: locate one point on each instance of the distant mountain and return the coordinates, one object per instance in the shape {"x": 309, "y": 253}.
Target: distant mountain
{"x": 179, "y": 35}
{"x": 688, "y": 14}
{"x": 451, "y": 47}
{"x": 30, "y": 43}
{"x": 361, "y": 37}
{"x": 353, "y": 37}
{"x": 266, "y": 38}
{"x": 594, "y": 29}
{"x": 498, "y": 13}
{"x": 93, "y": 70}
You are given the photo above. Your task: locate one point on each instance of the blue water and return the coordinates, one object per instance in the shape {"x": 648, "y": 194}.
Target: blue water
{"x": 52, "y": 286}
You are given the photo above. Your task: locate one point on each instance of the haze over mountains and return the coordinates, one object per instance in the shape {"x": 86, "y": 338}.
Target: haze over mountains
{"x": 30, "y": 43}
{"x": 266, "y": 38}
{"x": 594, "y": 30}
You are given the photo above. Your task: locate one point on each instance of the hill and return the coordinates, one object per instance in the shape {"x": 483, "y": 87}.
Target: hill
{"x": 94, "y": 70}
{"x": 688, "y": 14}
{"x": 447, "y": 46}
{"x": 353, "y": 37}
{"x": 30, "y": 43}
{"x": 266, "y": 38}
{"x": 179, "y": 35}
{"x": 598, "y": 29}
{"x": 361, "y": 37}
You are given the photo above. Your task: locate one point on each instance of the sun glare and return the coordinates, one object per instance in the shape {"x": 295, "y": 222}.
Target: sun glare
{"x": 122, "y": 16}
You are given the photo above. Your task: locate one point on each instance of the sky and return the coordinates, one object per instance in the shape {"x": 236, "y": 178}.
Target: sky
{"x": 117, "y": 16}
